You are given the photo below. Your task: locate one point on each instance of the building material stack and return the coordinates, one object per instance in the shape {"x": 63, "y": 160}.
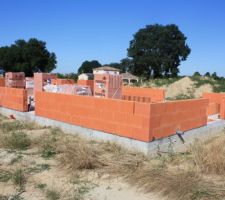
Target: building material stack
{"x": 59, "y": 81}
{"x": 107, "y": 83}
{"x": 30, "y": 86}
{"x": 42, "y": 79}
{"x": 15, "y": 79}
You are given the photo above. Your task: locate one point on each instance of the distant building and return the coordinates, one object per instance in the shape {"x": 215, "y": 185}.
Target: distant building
{"x": 86, "y": 76}
{"x": 106, "y": 70}
{"x": 128, "y": 78}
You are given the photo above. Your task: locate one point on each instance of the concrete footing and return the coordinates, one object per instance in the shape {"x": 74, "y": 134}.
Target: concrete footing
{"x": 170, "y": 144}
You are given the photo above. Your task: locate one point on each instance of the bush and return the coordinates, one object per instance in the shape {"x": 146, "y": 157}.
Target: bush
{"x": 17, "y": 140}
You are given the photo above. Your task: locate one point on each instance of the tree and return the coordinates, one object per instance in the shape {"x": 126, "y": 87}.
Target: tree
{"x": 68, "y": 76}
{"x": 207, "y": 74}
{"x": 127, "y": 64}
{"x": 214, "y": 75}
{"x": 124, "y": 65}
{"x": 196, "y": 74}
{"x": 27, "y": 56}
{"x": 157, "y": 50}
{"x": 88, "y": 66}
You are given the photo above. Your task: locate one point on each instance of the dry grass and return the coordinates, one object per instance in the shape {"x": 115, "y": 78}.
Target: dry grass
{"x": 176, "y": 177}
{"x": 149, "y": 175}
{"x": 76, "y": 154}
{"x": 209, "y": 157}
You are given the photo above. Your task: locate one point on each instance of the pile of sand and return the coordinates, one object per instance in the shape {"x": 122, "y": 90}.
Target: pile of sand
{"x": 186, "y": 86}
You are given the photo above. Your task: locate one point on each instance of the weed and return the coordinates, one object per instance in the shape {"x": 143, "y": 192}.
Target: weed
{"x": 82, "y": 188}
{"x": 17, "y": 140}
{"x": 218, "y": 84}
{"x": 7, "y": 127}
{"x": 5, "y": 176}
{"x": 47, "y": 145}
{"x": 47, "y": 152}
{"x": 18, "y": 178}
{"x": 52, "y": 195}
{"x": 16, "y": 196}
{"x": 80, "y": 156}
{"x": 41, "y": 186}
{"x": 56, "y": 131}
{"x": 38, "y": 168}
{"x": 165, "y": 81}
{"x": 2, "y": 197}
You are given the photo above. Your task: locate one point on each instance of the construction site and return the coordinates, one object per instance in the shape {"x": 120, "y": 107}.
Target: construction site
{"x": 103, "y": 108}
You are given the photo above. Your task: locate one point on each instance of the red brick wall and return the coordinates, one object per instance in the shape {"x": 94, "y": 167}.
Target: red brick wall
{"x": 58, "y": 81}
{"x": 214, "y": 102}
{"x": 222, "y": 109}
{"x": 156, "y": 95}
{"x": 13, "y": 98}
{"x": 118, "y": 117}
{"x": 167, "y": 118}
{"x": 2, "y": 82}
{"x": 137, "y": 98}
{"x": 140, "y": 121}
{"x": 213, "y": 108}
{"x": 214, "y": 97}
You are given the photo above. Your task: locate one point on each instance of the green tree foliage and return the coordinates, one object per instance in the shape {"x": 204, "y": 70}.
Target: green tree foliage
{"x": 73, "y": 76}
{"x": 207, "y": 74}
{"x": 157, "y": 50}
{"x": 127, "y": 64}
{"x": 88, "y": 66}
{"x": 124, "y": 65}
{"x": 27, "y": 56}
{"x": 196, "y": 74}
{"x": 214, "y": 75}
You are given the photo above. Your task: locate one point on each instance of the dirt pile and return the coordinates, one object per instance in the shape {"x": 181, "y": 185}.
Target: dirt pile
{"x": 185, "y": 87}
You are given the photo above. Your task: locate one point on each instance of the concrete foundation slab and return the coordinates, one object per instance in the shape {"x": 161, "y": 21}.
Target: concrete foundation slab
{"x": 170, "y": 144}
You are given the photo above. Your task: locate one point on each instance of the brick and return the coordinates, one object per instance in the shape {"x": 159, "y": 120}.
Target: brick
{"x": 157, "y": 95}
{"x": 107, "y": 115}
{"x": 222, "y": 109}
{"x": 142, "y": 108}
{"x": 141, "y": 134}
{"x": 126, "y": 106}
{"x": 155, "y": 121}
{"x": 109, "y": 127}
{"x": 124, "y": 130}
{"x": 158, "y": 108}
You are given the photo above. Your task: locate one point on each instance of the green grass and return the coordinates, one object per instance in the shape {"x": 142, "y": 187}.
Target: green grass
{"x": 181, "y": 97}
{"x": 5, "y": 176}
{"x": 52, "y": 195}
{"x": 165, "y": 81}
{"x": 217, "y": 84}
{"x": 18, "y": 178}
{"x": 41, "y": 186}
{"x": 48, "y": 152}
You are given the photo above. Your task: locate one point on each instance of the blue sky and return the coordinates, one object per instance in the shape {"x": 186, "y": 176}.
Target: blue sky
{"x": 78, "y": 30}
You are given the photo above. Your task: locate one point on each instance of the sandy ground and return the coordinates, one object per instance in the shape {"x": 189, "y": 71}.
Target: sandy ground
{"x": 78, "y": 186}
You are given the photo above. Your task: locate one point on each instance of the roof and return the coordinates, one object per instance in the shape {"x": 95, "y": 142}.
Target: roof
{"x": 128, "y": 75}
{"x": 87, "y": 74}
{"x": 106, "y": 68}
